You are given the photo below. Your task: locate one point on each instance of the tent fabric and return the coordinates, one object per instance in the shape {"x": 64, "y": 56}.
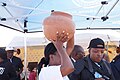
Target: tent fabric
{"x": 86, "y": 13}
{"x": 18, "y": 41}
{"x": 81, "y": 37}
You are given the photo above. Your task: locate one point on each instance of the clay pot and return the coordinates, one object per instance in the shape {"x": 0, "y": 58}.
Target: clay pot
{"x": 58, "y": 21}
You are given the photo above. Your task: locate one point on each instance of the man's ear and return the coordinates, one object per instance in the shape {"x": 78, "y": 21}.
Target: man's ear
{"x": 89, "y": 50}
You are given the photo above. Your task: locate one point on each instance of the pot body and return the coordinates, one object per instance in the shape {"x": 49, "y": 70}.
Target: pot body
{"x": 58, "y": 22}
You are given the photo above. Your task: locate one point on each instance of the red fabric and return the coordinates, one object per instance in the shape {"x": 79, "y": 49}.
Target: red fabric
{"x": 32, "y": 75}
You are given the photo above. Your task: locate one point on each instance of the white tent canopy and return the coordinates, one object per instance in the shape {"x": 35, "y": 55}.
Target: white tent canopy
{"x": 6, "y": 35}
{"x": 32, "y": 39}
{"x": 82, "y": 37}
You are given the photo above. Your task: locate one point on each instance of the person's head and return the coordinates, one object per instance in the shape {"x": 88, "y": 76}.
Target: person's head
{"x": 96, "y": 49}
{"x": 3, "y": 54}
{"x": 10, "y": 52}
{"x": 30, "y": 67}
{"x": 51, "y": 55}
{"x": 106, "y": 57}
{"x": 18, "y": 51}
{"x": 77, "y": 52}
{"x": 118, "y": 50}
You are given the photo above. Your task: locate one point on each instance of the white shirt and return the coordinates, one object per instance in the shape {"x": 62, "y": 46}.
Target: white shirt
{"x": 73, "y": 59}
{"x": 51, "y": 73}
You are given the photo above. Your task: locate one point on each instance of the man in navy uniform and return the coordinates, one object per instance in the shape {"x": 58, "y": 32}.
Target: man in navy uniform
{"x": 17, "y": 63}
{"x": 7, "y": 71}
{"x": 93, "y": 66}
{"x": 76, "y": 54}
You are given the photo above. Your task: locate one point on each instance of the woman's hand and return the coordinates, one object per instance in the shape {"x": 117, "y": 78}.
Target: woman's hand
{"x": 61, "y": 38}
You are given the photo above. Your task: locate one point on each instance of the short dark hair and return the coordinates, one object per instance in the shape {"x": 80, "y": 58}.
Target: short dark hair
{"x": 3, "y": 54}
{"x": 76, "y": 47}
{"x": 49, "y": 49}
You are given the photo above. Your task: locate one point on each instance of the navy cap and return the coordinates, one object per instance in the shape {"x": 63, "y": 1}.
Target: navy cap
{"x": 97, "y": 43}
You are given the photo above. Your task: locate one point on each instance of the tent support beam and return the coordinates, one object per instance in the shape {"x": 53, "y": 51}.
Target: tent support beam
{"x": 88, "y": 28}
{"x": 11, "y": 28}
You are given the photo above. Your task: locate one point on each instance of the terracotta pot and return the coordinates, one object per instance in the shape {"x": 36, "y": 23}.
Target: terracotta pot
{"x": 58, "y": 21}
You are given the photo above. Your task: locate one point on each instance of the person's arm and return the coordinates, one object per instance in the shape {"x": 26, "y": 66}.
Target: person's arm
{"x": 66, "y": 64}
{"x": 18, "y": 73}
{"x": 20, "y": 67}
{"x": 70, "y": 45}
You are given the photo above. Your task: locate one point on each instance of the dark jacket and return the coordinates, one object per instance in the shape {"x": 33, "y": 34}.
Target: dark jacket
{"x": 73, "y": 76}
{"x": 7, "y": 71}
{"x": 85, "y": 69}
{"x": 17, "y": 63}
{"x": 115, "y": 66}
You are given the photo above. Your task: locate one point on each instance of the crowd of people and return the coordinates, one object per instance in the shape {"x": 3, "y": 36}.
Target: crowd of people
{"x": 64, "y": 62}
{"x": 94, "y": 66}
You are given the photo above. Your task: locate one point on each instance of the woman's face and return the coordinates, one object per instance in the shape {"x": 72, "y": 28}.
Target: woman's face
{"x": 55, "y": 59}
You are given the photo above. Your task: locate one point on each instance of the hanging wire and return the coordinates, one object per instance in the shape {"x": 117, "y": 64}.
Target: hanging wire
{"x": 37, "y": 6}
{"x": 96, "y": 15}
{"x": 31, "y": 12}
{"x": 103, "y": 3}
{"x": 10, "y": 27}
{"x": 112, "y": 7}
{"x": 108, "y": 37}
{"x": 104, "y": 18}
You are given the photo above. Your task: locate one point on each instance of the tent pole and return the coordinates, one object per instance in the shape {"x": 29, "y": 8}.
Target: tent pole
{"x": 25, "y": 47}
{"x": 107, "y": 47}
{"x": 25, "y": 56}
